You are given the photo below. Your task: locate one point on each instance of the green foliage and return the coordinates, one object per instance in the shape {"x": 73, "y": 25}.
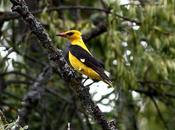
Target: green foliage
{"x": 4, "y": 125}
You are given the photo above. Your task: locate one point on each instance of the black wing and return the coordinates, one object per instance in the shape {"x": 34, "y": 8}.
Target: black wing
{"x": 88, "y": 60}
{"x": 85, "y": 57}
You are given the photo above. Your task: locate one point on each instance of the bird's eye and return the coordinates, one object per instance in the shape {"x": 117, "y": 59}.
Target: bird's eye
{"x": 69, "y": 33}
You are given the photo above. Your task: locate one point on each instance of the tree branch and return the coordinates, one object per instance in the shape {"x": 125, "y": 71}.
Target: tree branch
{"x": 166, "y": 83}
{"x": 2, "y": 84}
{"x": 159, "y": 113}
{"x": 56, "y": 56}
{"x": 9, "y": 82}
{"x": 17, "y": 73}
{"x": 6, "y": 16}
{"x": 99, "y": 29}
{"x": 153, "y": 93}
{"x": 32, "y": 98}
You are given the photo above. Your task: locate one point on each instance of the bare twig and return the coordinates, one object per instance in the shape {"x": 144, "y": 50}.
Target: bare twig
{"x": 32, "y": 59}
{"x": 159, "y": 113}
{"x": 9, "y": 82}
{"x": 54, "y": 92}
{"x": 6, "y": 16}
{"x": 13, "y": 15}
{"x": 2, "y": 118}
{"x": 17, "y": 73}
{"x": 12, "y": 95}
{"x": 105, "y": 96}
{"x": 166, "y": 83}
{"x": 128, "y": 19}
{"x": 33, "y": 96}
{"x": 2, "y": 84}
{"x": 154, "y": 93}
{"x": 99, "y": 29}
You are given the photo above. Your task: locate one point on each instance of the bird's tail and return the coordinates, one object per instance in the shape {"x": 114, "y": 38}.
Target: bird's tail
{"x": 109, "y": 82}
{"x": 106, "y": 79}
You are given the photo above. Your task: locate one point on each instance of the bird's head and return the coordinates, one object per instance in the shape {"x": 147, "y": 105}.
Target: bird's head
{"x": 71, "y": 35}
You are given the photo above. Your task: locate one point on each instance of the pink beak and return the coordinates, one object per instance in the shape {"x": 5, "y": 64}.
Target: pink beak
{"x": 63, "y": 34}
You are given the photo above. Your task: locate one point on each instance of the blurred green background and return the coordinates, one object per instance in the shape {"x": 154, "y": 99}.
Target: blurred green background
{"x": 137, "y": 49}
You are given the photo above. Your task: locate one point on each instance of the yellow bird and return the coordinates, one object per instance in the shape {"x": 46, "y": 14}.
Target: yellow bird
{"x": 81, "y": 59}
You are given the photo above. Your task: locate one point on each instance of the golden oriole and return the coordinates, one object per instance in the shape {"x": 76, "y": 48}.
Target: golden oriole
{"x": 81, "y": 59}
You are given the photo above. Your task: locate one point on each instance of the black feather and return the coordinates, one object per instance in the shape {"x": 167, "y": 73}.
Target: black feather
{"x": 69, "y": 33}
